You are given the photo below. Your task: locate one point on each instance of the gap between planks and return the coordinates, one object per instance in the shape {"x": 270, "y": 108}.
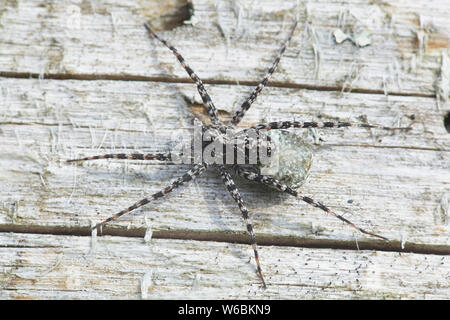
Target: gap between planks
{"x": 274, "y": 84}
{"x": 242, "y": 238}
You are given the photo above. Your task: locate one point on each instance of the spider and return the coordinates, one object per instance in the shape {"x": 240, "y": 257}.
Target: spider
{"x": 251, "y": 172}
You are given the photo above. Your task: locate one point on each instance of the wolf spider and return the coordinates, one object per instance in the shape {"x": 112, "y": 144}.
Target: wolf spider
{"x": 251, "y": 173}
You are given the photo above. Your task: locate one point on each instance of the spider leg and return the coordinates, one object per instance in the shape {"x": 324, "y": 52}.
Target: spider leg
{"x": 193, "y": 173}
{"x": 131, "y": 156}
{"x": 313, "y": 124}
{"x": 251, "y": 176}
{"x": 232, "y": 189}
{"x": 246, "y": 105}
{"x": 209, "y": 105}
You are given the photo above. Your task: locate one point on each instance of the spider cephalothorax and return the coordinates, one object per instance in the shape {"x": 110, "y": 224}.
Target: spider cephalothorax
{"x": 226, "y": 145}
{"x": 268, "y": 154}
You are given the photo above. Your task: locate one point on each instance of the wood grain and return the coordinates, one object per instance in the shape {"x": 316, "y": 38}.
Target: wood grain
{"x": 233, "y": 44}
{"x": 68, "y": 267}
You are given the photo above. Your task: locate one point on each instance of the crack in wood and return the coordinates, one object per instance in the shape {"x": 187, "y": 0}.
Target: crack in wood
{"x": 239, "y": 238}
{"x": 124, "y": 77}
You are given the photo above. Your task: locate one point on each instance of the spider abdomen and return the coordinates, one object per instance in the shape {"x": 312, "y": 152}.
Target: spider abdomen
{"x": 291, "y": 161}
{"x": 280, "y": 154}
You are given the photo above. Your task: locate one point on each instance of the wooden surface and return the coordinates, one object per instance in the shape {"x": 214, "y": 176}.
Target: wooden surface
{"x": 82, "y": 78}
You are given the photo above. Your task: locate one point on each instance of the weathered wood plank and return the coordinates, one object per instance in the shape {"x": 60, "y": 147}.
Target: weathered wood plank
{"x": 66, "y": 267}
{"x": 234, "y": 41}
{"x": 396, "y": 184}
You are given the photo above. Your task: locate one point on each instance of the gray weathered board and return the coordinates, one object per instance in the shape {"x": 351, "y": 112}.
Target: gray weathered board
{"x": 82, "y": 78}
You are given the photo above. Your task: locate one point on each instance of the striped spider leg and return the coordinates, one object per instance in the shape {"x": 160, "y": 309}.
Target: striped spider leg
{"x": 207, "y": 102}
{"x": 271, "y": 181}
{"x": 252, "y": 176}
{"x": 232, "y": 189}
{"x": 131, "y": 156}
{"x": 191, "y": 174}
{"x": 327, "y": 124}
{"x": 247, "y": 103}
